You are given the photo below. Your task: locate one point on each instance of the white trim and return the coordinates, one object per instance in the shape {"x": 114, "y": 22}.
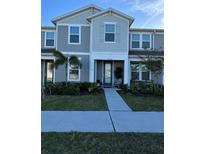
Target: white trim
{"x": 75, "y": 53}
{"x": 76, "y": 12}
{"x": 54, "y": 72}
{"x": 113, "y": 73}
{"x": 141, "y": 40}
{"x": 44, "y": 72}
{"x": 79, "y": 70}
{"x": 102, "y": 71}
{"x": 128, "y": 39}
{"x": 159, "y": 33}
{"x": 153, "y": 41}
{"x": 91, "y": 37}
{"x": 95, "y": 68}
{"x": 66, "y": 24}
{"x": 47, "y": 57}
{"x": 45, "y": 34}
{"x": 56, "y": 37}
{"x": 74, "y": 25}
{"x": 110, "y": 23}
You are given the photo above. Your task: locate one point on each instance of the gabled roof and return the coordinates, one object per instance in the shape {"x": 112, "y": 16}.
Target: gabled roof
{"x": 131, "y": 19}
{"x": 54, "y": 20}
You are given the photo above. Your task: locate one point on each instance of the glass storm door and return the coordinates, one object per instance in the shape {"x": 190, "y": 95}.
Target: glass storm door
{"x": 108, "y": 73}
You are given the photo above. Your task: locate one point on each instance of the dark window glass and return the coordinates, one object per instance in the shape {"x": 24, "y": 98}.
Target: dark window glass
{"x": 135, "y": 76}
{"x": 109, "y": 37}
{"x": 74, "y": 38}
{"x": 145, "y": 75}
{"x": 145, "y": 45}
{"x": 49, "y": 42}
{"x": 135, "y": 44}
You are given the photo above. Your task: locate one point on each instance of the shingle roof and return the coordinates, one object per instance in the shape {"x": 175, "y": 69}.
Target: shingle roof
{"x": 155, "y": 52}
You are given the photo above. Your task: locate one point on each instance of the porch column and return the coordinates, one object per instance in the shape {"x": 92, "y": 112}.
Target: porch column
{"x": 91, "y": 70}
{"x": 126, "y": 66}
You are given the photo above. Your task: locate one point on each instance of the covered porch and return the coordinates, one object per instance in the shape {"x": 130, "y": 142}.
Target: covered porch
{"x": 109, "y": 69}
{"x": 109, "y": 72}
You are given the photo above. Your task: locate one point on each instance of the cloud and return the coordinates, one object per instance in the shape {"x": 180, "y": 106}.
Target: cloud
{"x": 151, "y": 8}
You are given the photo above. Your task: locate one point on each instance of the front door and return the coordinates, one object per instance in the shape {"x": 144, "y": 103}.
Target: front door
{"x": 107, "y": 73}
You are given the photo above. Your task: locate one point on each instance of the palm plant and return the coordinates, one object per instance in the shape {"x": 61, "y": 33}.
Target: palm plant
{"x": 61, "y": 59}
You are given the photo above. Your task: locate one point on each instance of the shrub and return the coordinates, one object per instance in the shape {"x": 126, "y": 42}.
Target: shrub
{"x": 147, "y": 88}
{"x": 72, "y": 89}
{"x": 124, "y": 88}
{"x": 93, "y": 88}
{"x": 158, "y": 90}
{"x": 84, "y": 86}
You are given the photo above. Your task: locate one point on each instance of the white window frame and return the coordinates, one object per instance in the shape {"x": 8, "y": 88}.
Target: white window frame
{"x": 146, "y": 41}
{"x": 140, "y": 73}
{"x": 69, "y": 34}
{"x": 45, "y": 35}
{"x": 109, "y": 23}
{"x": 69, "y": 68}
{"x": 135, "y": 41}
{"x": 140, "y": 48}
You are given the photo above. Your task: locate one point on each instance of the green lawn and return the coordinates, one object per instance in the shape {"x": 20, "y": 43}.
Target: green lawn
{"x": 102, "y": 143}
{"x": 74, "y": 103}
{"x": 144, "y": 103}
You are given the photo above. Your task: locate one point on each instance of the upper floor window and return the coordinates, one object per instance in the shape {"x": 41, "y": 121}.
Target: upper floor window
{"x": 109, "y": 32}
{"x": 74, "y": 34}
{"x": 146, "y": 41}
{"x": 49, "y": 39}
{"x": 140, "y": 41}
{"x": 135, "y": 40}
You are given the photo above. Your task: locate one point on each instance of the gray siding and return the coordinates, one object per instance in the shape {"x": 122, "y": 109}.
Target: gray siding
{"x": 79, "y": 18}
{"x": 84, "y": 71}
{"x": 122, "y": 29}
{"x": 42, "y": 39}
{"x": 159, "y": 41}
{"x": 62, "y": 40}
{"x": 157, "y": 78}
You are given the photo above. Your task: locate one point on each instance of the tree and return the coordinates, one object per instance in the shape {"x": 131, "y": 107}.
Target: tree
{"x": 61, "y": 59}
{"x": 155, "y": 64}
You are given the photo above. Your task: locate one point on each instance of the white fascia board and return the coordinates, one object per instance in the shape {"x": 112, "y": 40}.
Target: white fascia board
{"x": 75, "y": 53}
{"x": 109, "y": 56}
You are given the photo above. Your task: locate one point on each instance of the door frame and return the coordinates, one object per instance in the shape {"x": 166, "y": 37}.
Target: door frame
{"x": 106, "y": 84}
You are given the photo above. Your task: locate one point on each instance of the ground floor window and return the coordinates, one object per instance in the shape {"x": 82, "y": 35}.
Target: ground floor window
{"x": 74, "y": 72}
{"x": 139, "y": 72}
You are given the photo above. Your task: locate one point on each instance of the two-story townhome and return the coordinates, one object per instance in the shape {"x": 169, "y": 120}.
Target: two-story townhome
{"x": 103, "y": 41}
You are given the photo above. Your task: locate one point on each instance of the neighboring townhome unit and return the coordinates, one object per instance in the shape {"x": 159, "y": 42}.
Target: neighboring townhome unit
{"x": 105, "y": 45}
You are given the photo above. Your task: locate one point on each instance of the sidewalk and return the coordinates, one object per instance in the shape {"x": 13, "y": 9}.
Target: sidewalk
{"x": 119, "y": 118}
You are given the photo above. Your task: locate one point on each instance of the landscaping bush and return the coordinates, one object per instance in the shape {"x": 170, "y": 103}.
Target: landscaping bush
{"x": 71, "y": 89}
{"x": 61, "y": 88}
{"x": 124, "y": 88}
{"x": 158, "y": 90}
{"x": 147, "y": 88}
{"x": 84, "y": 86}
{"x": 94, "y": 88}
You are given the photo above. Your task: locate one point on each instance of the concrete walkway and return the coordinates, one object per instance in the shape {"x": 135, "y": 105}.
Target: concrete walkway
{"x": 119, "y": 118}
{"x": 115, "y": 101}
